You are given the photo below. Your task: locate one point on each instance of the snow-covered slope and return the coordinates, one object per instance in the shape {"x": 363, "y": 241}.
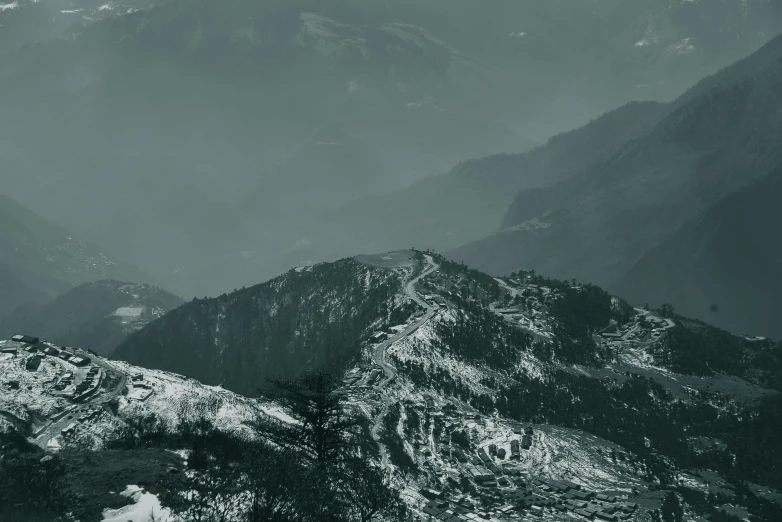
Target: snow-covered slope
{"x": 489, "y": 398}
{"x": 43, "y": 398}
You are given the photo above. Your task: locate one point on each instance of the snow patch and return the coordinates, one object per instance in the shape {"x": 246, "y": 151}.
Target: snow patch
{"x": 127, "y": 312}
{"x": 146, "y": 507}
{"x": 275, "y": 411}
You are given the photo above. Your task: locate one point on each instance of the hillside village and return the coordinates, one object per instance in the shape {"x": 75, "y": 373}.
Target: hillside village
{"x": 473, "y": 466}
{"x": 450, "y": 449}
{"x": 68, "y": 397}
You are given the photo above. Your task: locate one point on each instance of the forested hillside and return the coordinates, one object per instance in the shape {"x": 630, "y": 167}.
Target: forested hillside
{"x": 97, "y": 316}
{"x": 311, "y": 317}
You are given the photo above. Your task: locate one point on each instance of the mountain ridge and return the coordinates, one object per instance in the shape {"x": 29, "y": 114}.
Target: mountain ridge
{"x": 718, "y": 138}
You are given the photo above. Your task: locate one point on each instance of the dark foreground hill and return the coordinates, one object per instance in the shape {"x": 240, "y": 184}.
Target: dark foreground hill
{"x": 311, "y": 317}
{"x": 629, "y": 222}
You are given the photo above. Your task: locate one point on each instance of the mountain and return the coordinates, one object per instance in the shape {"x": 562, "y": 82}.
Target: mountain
{"x": 620, "y": 401}
{"x": 26, "y": 22}
{"x": 487, "y": 397}
{"x": 47, "y": 420}
{"x": 715, "y": 140}
{"x": 96, "y": 316}
{"x": 145, "y": 107}
{"x": 309, "y": 317}
{"x": 469, "y": 201}
{"x": 39, "y": 260}
{"x": 719, "y": 266}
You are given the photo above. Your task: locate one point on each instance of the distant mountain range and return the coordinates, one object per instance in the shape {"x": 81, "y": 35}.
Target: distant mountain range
{"x": 315, "y": 104}
{"x": 668, "y": 216}
{"x": 96, "y": 316}
{"x": 39, "y": 260}
{"x": 470, "y": 201}
{"x": 26, "y": 22}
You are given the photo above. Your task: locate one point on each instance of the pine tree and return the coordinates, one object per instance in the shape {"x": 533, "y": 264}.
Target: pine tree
{"x": 325, "y": 429}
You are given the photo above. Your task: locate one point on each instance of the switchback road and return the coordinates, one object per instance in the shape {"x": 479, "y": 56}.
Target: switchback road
{"x": 379, "y": 355}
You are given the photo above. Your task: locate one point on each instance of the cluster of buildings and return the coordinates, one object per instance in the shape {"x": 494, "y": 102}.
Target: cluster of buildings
{"x": 363, "y": 377}
{"x": 646, "y": 328}
{"x": 503, "y": 489}
{"x": 38, "y": 350}
{"x": 538, "y": 497}
{"x": 140, "y": 389}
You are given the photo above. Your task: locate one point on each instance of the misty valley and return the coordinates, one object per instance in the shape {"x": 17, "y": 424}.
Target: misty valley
{"x": 371, "y": 261}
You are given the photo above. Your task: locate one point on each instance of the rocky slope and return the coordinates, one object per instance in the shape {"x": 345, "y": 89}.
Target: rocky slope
{"x": 96, "y": 316}
{"x": 717, "y": 138}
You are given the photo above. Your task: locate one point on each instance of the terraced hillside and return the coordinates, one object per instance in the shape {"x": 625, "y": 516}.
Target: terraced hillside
{"x": 635, "y": 409}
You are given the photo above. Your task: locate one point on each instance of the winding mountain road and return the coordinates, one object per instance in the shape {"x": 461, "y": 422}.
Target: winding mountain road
{"x": 379, "y": 355}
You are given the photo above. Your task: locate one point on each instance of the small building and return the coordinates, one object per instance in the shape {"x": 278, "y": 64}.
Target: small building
{"x": 378, "y": 336}
{"x": 33, "y": 363}
{"x": 8, "y": 349}
{"x": 528, "y": 430}
{"x": 26, "y": 339}
{"x": 51, "y": 351}
{"x": 431, "y": 494}
{"x": 526, "y": 442}
{"x": 80, "y": 361}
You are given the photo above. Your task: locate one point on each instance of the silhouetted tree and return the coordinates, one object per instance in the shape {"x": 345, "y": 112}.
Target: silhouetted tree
{"x": 324, "y": 428}
{"x": 671, "y": 508}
